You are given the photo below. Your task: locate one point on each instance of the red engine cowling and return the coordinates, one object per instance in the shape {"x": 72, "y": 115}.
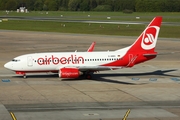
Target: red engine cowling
{"x": 69, "y": 73}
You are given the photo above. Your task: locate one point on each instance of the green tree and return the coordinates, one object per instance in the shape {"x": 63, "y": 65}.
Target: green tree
{"x": 103, "y": 8}
{"x": 108, "y": 2}
{"x": 120, "y": 5}
{"x": 63, "y": 5}
{"x": 93, "y": 4}
{"x": 104, "y": 5}
{"x": 38, "y": 5}
{"x": 3, "y": 4}
{"x": 73, "y": 5}
{"x": 172, "y": 5}
{"x": 157, "y": 5}
{"x": 45, "y": 8}
{"x": 149, "y": 5}
{"x": 100, "y": 2}
{"x": 139, "y": 6}
{"x": 30, "y": 4}
{"x": 52, "y": 5}
{"x": 22, "y": 3}
{"x": 11, "y": 5}
{"x": 84, "y": 6}
{"x": 117, "y": 5}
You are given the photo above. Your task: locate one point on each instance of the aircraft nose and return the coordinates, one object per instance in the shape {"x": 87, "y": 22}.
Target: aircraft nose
{"x": 8, "y": 65}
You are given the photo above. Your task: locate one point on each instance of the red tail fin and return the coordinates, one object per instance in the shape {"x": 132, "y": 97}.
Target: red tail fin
{"x": 146, "y": 42}
{"x": 143, "y": 48}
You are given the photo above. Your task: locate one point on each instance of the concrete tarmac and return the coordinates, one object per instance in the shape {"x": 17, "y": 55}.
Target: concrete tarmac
{"x": 150, "y": 90}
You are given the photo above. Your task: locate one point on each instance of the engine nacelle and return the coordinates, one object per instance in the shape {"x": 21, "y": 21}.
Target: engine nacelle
{"x": 69, "y": 73}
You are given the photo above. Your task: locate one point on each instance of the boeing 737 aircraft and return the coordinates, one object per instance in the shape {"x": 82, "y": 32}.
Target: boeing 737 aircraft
{"x": 75, "y": 64}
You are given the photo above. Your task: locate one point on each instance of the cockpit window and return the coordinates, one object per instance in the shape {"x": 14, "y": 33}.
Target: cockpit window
{"x": 15, "y": 60}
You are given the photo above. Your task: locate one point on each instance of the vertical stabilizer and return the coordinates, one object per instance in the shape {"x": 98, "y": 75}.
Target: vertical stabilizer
{"x": 146, "y": 42}
{"x": 143, "y": 48}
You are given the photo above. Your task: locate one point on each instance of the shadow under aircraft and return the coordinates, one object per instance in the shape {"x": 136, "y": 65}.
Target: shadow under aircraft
{"x": 100, "y": 76}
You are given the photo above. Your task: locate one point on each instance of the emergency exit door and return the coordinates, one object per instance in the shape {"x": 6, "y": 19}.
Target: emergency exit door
{"x": 29, "y": 61}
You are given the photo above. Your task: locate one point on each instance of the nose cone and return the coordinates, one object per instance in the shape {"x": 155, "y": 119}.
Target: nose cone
{"x": 8, "y": 65}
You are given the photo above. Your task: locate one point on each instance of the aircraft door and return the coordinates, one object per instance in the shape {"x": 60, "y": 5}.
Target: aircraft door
{"x": 29, "y": 61}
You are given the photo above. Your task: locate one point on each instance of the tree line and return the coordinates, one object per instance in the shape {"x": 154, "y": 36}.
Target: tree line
{"x": 93, "y": 5}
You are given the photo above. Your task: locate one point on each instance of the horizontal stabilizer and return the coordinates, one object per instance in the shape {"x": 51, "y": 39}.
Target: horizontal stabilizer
{"x": 147, "y": 55}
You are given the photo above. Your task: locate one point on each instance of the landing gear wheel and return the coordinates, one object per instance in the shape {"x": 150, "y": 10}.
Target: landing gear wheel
{"x": 88, "y": 76}
{"x": 24, "y": 76}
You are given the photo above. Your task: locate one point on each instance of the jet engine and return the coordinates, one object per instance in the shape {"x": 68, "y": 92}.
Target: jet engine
{"x": 69, "y": 73}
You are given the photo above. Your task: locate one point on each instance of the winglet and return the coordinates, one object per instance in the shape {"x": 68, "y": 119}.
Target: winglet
{"x": 91, "y": 48}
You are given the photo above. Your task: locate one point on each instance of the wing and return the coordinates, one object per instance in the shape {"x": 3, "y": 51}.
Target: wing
{"x": 93, "y": 68}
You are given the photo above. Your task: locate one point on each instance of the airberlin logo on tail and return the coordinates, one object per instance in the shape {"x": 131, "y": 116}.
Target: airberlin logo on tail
{"x": 150, "y": 37}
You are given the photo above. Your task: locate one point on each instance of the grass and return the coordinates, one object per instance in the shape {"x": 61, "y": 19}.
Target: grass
{"x": 171, "y": 31}
{"x": 117, "y": 16}
{"x": 85, "y": 28}
{"x": 82, "y": 13}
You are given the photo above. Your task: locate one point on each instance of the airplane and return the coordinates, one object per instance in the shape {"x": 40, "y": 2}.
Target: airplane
{"x": 76, "y": 64}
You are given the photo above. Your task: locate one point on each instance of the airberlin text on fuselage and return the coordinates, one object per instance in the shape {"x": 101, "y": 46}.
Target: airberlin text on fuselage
{"x": 72, "y": 59}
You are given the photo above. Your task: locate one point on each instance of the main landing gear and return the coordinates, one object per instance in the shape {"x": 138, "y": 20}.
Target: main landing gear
{"x": 87, "y": 75}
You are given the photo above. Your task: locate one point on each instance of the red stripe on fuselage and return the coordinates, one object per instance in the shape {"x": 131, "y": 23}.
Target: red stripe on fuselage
{"x": 42, "y": 71}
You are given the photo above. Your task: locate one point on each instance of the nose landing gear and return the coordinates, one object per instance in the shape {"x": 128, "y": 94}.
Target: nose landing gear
{"x": 21, "y": 73}
{"x": 24, "y": 76}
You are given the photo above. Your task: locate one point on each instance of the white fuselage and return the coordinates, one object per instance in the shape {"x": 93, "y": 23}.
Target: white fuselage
{"x": 54, "y": 60}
